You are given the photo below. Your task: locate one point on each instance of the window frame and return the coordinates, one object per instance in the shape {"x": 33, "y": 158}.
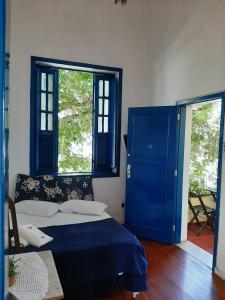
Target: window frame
{"x": 75, "y": 66}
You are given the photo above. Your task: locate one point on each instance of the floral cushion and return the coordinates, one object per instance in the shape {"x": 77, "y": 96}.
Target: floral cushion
{"x": 54, "y": 188}
{"x": 33, "y": 188}
{"x": 74, "y": 187}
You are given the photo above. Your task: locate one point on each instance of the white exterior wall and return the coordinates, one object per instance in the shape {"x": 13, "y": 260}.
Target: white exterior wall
{"x": 169, "y": 50}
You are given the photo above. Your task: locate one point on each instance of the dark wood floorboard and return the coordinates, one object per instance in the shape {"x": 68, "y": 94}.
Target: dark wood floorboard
{"x": 176, "y": 275}
{"x": 205, "y": 240}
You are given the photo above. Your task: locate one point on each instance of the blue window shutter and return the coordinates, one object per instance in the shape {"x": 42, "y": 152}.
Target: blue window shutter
{"x": 104, "y": 124}
{"x": 46, "y": 148}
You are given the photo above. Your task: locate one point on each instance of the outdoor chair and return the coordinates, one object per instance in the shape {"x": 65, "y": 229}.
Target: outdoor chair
{"x": 201, "y": 210}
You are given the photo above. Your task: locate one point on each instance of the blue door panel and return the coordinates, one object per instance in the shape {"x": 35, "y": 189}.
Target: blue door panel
{"x": 155, "y": 140}
{"x": 150, "y": 208}
{"x": 155, "y": 215}
{"x": 155, "y": 173}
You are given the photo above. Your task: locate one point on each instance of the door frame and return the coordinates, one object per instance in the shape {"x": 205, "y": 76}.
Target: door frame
{"x": 182, "y": 105}
{"x": 2, "y": 174}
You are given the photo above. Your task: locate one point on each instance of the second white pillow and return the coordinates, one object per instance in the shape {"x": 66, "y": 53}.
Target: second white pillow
{"x": 83, "y": 207}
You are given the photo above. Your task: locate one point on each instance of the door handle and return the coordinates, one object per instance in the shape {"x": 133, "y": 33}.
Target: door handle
{"x": 128, "y": 171}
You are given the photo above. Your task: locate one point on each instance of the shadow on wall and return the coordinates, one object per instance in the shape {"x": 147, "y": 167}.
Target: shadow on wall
{"x": 183, "y": 35}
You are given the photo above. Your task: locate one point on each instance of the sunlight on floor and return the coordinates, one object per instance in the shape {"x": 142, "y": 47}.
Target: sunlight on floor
{"x": 197, "y": 252}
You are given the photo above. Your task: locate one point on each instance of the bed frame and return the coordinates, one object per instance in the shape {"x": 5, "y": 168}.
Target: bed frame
{"x": 13, "y": 232}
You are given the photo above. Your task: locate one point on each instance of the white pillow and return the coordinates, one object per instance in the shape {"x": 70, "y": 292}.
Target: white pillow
{"x": 33, "y": 235}
{"x": 83, "y": 207}
{"x": 37, "y": 208}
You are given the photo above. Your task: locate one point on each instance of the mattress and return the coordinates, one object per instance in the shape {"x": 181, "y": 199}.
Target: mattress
{"x": 59, "y": 219}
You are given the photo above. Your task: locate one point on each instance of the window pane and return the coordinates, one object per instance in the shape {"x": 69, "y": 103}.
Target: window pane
{"x": 105, "y": 124}
{"x": 43, "y": 121}
{"x": 43, "y": 101}
{"x": 50, "y": 82}
{"x": 43, "y": 81}
{"x": 106, "y": 107}
{"x": 106, "y": 88}
{"x": 99, "y": 124}
{"x": 100, "y": 88}
{"x": 50, "y": 102}
{"x": 75, "y": 118}
{"x": 100, "y": 106}
{"x": 50, "y": 122}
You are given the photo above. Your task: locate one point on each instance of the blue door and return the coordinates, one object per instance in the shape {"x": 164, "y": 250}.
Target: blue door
{"x": 2, "y": 159}
{"x": 150, "y": 208}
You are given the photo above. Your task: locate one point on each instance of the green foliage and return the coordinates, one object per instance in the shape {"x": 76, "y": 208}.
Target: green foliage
{"x": 12, "y": 267}
{"x": 204, "y": 143}
{"x": 75, "y": 120}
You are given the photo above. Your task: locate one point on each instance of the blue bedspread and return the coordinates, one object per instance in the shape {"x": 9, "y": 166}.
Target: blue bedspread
{"x": 97, "y": 251}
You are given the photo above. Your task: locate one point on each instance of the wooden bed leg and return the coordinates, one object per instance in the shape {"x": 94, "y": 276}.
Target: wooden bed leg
{"x": 135, "y": 294}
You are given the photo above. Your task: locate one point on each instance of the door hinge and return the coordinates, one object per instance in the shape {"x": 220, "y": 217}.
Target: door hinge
{"x": 175, "y": 173}
{"x": 174, "y": 228}
{"x": 178, "y": 117}
{"x": 128, "y": 171}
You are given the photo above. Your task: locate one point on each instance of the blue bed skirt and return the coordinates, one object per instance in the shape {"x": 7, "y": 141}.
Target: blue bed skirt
{"x": 89, "y": 257}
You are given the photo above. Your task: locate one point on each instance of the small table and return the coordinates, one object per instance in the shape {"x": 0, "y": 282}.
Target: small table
{"x": 55, "y": 291}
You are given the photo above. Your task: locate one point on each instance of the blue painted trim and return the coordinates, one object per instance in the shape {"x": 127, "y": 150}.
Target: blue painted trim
{"x": 200, "y": 99}
{"x": 119, "y": 118}
{"x": 182, "y": 104}
{"x": 2, "y": 175}
{"x": 37, "y": 59}
{"x": 32, "y": 118}
{"x": 55, "y": 117}
{"x": 180, "y": 169}
{"x": 93, "y": 175}
{"x": 110, "y": 157}
{"x": 117, "y": 72}
{"x": 219, "y": 180}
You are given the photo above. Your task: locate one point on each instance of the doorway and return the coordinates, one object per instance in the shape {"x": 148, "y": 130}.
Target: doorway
{"x": 202, "y": 159}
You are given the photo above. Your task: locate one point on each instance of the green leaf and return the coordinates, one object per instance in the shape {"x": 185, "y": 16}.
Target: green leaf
{"x": 75, "y": 120}
{"x": 204, "y": 143}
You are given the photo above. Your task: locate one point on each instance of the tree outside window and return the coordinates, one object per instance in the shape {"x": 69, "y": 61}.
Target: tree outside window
{"x": 204, "y": 146}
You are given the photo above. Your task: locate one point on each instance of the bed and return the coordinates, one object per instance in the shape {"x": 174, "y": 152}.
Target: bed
{"x": 93, "y": 254}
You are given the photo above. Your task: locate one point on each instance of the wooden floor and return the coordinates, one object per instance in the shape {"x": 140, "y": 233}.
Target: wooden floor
{"x": 205, "y": 240}
{"x": 175, "y": 275}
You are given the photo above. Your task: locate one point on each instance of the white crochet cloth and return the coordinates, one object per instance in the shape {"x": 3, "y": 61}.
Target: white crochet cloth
{"x": 32, "y": 278}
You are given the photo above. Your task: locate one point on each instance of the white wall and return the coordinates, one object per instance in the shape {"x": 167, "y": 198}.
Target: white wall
{"x": 186, "y": 172}
{"x": 95, "y": 32}
{"x": 186, "y": 47}
{"x": 220, "y": 268}
{"x": 169, "y": 50}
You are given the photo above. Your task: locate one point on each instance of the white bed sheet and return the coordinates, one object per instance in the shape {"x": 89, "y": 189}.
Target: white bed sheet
{"x": 58, "y": 219}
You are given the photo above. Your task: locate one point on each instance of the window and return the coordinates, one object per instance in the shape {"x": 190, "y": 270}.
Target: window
{"x": 75, "y": 111}
{"x": 75, "y": 118}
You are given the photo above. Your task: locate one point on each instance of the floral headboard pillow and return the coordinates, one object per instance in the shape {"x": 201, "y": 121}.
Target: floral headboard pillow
{"x": 54, "y": 188}
{"x": 74, "y": 187}
{"x": 33, "y": 187}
